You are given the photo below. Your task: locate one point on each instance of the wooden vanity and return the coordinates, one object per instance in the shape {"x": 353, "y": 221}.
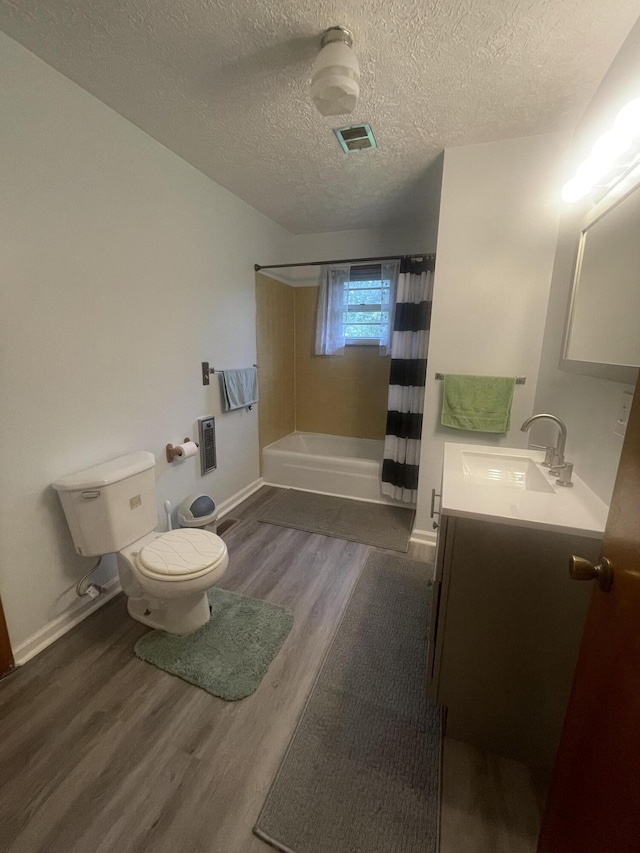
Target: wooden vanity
{"x": 507, "y": 619}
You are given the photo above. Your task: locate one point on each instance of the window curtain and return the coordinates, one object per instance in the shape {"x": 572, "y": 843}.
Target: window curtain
{"x": 389, "y": 272}
{"x": 330, "y": 321}
{"x": 409, "y": 346}
{"x": 332, "y": 304}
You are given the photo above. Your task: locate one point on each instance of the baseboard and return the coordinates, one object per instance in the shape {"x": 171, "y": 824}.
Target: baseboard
{"x": 81, "y": 608}
{"x": 225, "y": 507}
{"x": 424, "y": 537}
{"x": 78, "y": 611}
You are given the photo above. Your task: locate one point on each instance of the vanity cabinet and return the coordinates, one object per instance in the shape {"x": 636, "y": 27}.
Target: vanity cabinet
{"x": 506, "y": 628}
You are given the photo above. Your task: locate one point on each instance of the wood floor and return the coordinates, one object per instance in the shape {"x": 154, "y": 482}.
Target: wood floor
{"x": 100, "y": 752}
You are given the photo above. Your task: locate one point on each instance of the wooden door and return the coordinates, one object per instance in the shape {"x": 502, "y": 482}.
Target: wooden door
{"x": 6, "y": 656}
{"x": 594, "y": 801}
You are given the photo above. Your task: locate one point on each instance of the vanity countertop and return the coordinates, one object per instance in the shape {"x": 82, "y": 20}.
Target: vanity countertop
{"x": 508, "y": 485}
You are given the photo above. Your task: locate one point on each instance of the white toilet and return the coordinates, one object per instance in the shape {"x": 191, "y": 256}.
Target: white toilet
{"x": 165, "y": 576}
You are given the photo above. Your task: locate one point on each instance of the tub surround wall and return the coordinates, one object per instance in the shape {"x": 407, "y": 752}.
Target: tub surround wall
{"x": 275, "y": 347}
{"x": 124, "y": 268}
{"x": 341, "y": 395}
{"x": 299, "y": 390}
{"x": 496, "y": 244}
{"x": 589, "y": 405}
{"x": 338, "y": 395}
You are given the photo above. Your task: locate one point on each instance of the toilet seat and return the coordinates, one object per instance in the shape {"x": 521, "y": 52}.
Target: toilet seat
{"x": 180, "y": 555}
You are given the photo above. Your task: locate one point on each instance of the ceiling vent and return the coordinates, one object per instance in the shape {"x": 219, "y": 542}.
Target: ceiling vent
{"x": 355, "y": 138}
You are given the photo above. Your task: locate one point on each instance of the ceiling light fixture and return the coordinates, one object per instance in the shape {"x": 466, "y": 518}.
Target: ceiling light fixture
{"x": 335, "y": 80}
{"x": 605, "y": 156}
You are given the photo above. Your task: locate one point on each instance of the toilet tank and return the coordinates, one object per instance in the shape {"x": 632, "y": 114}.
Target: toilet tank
{"x": 110, "y": 505}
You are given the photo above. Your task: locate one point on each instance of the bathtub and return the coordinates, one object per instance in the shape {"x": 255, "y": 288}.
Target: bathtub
{"x": 330, "y": 464}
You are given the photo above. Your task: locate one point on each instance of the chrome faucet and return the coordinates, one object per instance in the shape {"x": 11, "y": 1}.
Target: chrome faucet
{"x": 554, "y": 457}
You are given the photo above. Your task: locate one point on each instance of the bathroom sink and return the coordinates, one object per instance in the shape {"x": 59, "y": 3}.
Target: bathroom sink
{"x": 511, "y": 472}
{"x": 509, "y": 485}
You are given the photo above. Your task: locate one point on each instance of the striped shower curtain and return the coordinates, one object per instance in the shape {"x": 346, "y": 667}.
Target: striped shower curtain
{"x": 409, "y": 345}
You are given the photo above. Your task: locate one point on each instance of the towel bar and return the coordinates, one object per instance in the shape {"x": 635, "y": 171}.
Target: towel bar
{"x": 206, "y": 371}
{"x": 520, "y": 380}
{"x": 213, "y": 370}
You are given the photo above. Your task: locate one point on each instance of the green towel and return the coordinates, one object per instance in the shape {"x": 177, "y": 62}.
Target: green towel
{"x": 478, "y": 403}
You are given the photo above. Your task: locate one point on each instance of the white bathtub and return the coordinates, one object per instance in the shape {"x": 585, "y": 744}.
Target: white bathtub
{"x": 330, "y": 464}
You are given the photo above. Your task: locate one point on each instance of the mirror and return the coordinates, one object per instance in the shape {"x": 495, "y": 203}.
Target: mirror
{"x": 603, "y": 326}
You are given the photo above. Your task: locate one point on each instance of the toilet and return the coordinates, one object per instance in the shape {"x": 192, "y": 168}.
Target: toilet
{"x": 111, "y": 508}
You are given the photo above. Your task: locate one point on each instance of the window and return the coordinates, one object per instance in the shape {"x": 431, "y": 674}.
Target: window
{"x": 355, "y": 306}
{"x": 367, "y": 305}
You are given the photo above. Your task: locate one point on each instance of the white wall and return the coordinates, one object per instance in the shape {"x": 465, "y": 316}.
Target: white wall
{"x": 122, "y": 269}
{"x": 496, "y": 242}
{"x": 589, "y": 405}
{"x": 365, "y": 242}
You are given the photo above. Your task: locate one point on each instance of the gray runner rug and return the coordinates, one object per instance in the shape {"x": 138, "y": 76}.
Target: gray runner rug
{"x": 362, "y": 771}
{"x": 380, "y": 525}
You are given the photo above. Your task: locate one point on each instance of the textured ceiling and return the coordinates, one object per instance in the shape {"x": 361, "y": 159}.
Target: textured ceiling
{"x": 224, "y": 84}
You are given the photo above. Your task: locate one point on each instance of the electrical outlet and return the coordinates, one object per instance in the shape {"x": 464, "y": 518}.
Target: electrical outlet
{"x": 623, "y": 414}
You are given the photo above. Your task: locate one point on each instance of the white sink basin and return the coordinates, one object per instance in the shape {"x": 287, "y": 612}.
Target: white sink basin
{"x": 511, "y": 472}
{"x": 509, "y": 485}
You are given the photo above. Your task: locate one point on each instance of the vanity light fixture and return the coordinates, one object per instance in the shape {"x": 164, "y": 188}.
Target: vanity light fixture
{"x": 605, "y": 155}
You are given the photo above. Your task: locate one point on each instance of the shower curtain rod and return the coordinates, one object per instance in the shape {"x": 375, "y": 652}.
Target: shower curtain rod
{"x": 258, "y": 267}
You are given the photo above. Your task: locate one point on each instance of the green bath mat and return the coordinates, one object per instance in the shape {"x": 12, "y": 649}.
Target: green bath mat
{"x": 228, "y": 656}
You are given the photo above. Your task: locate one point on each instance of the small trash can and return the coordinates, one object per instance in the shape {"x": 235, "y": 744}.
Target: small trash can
{"x": 198, "y": 511}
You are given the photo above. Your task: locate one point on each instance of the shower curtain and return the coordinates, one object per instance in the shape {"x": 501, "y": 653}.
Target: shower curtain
{"x": 409, "y": 345}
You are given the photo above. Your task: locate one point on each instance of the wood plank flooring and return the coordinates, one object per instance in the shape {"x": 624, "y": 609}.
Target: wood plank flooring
{"x": 102, "y": 752}
{"x": 490, "y": 804}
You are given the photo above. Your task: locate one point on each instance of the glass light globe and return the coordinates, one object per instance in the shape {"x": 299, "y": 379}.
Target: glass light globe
{"x": 574, "y": 190}
{"x": 628, "y": 119}
{"x": 591, "y": 171}
{"x": 610, "y": 146}
{"x": 335, "y": 81}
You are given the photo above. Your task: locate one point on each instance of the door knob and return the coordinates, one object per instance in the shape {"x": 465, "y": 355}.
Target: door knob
{"x": 584, "y": 570}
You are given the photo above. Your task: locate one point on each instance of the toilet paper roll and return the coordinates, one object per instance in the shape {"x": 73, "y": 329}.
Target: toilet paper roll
{"x": 189, "y": 448}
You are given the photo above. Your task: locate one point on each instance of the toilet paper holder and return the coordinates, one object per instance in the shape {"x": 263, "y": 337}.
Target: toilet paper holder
{"x": 176, "y": 452}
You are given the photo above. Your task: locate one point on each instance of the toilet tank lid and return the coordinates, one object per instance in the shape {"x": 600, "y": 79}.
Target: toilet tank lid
{"x": 107, "y": 472}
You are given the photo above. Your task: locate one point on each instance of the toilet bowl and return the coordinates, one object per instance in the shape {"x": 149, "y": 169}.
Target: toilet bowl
{"x": 165, "y": 577}
{"x": 111, "y": 508}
